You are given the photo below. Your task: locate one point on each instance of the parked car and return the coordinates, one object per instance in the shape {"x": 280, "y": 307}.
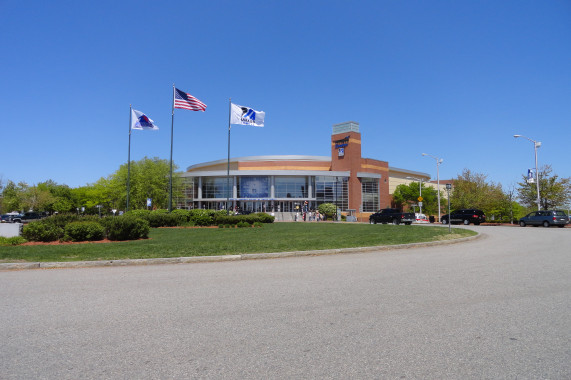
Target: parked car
{"x": 6, "y": 218}
{"x": 27, "y": 217}
{"x": 392, "y": 215}
{"x": 545, "y": 218}
{"x": 465, "y": 216}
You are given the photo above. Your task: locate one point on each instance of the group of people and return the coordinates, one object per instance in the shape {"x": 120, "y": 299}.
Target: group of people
{"x": 308, "y": 214}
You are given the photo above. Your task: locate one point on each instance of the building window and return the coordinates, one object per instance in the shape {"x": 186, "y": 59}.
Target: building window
{"x": 332, "y": 190}
{"x": 370, "y": 194}
{"x": 216, "y": 187}
{"x": 291, "y": 187}
{"x": 185, "y": 195}
{"x": 254, "y": 187}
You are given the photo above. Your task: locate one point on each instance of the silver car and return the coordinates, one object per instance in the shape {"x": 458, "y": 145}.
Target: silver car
{"x": 545, "y": 218}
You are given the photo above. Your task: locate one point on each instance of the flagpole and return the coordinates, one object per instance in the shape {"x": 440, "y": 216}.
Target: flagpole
{"x": 228, "y": 169}
{"x": 129, "y": 158}
{"x": 172, "y": 129}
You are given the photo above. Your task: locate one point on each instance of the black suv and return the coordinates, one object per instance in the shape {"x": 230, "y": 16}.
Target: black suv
{"x": 27, "y": 217}
{"x": 465, "y": 216}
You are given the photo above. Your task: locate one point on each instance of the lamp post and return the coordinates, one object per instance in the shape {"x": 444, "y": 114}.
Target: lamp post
{"x": 448, "y": 188}
{"x": 438, "y": 162}
{"x": 419, "y": 191}
{"x": 536, "y": 144}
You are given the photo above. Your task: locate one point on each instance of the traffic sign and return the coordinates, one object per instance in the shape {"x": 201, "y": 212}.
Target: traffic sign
{"x": 420, "y": 199}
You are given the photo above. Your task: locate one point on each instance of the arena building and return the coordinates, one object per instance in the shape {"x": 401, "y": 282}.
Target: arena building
{"x": 282, "y": 184}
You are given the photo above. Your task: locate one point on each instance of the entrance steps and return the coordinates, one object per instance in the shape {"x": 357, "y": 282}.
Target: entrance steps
{"x": 285, "y": 216}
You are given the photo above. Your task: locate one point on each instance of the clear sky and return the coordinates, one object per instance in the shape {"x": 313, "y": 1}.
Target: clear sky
{"x": 456, "y": 79}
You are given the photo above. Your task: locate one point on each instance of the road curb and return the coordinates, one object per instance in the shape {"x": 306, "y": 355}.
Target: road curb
{"x": 204, "y": 259}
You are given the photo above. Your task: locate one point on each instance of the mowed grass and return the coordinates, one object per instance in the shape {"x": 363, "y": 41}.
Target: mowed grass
{"x": 277, "y": 237}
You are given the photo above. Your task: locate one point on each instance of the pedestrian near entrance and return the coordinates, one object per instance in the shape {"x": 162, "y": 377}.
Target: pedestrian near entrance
{"x": 305, "y": 210}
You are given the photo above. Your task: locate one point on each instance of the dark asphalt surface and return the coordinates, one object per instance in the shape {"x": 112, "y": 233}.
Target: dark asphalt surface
{"x": 496, "y": 307}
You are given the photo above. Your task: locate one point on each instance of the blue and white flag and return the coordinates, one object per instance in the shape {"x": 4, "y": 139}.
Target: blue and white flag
{"x": 246, "y": 116}
{"x": 141, "y": 121}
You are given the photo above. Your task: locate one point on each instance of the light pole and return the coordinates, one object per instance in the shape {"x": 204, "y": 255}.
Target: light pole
{"x": 536, "y": 144}
{"x": 438, "y": 162}
{"x": 448, "y": 188}
{"x": 419, "y": 191}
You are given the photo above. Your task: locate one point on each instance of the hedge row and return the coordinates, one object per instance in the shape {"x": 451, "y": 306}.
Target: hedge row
{"x": 197, "y": 217}
{"x": 130, "y": 226}
{"x": 69, "y": 227}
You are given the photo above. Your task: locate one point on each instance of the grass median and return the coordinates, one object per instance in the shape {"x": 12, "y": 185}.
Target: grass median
{"x": 277, "y": 237}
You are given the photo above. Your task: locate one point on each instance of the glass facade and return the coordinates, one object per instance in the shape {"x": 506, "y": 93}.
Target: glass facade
{"x": 254, "y": 187}
{"x": 254, "y": 193}
{"x": 291, "y": 187}
{"x": 332, "y": 190}
{"x": 370, "y": 194}
{"x": 216, "y": 187}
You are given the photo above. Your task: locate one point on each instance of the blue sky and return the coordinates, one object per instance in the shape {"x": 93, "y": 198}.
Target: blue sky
{"x": 456, "y": 79}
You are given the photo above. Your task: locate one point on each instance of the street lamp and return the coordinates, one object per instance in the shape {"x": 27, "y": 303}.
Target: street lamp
{"x": 438, "y": 162}
{"x": 448, "y": 188}
{"x": 419, "y": 191}
{"x": 536, "y": 144}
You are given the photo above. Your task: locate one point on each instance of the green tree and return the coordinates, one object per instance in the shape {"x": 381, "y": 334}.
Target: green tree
{"x": 471, "y": 190}
{"x": 11, "y": 200}
{"x": 149, "y": 178}
{"x": 407, "y": 194}
{"x": 554, "y": 191}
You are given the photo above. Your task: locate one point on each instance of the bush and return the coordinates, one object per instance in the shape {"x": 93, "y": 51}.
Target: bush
{"x": 42, "y": 231}
{"x": 258, "y": 224}
{"x": 262, "y": 217}
{"x": 126, "y": 227}
{"x": 160, "y": 219}
{"x": 327, "y": 209}
{"x": 183, "y": 215}
{"x": 243, "y": 225}
{"x": 200, "y": 217}
{"x": 15, "y": 240}
{"x": 84, "y": 231}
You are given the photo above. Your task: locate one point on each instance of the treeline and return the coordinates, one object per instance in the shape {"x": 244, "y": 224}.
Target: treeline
{"x": 473, "y": 190}
{"x": 149, "y": 178}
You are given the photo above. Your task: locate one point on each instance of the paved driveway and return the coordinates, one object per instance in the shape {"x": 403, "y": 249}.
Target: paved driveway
{"x": 496, "y": 307}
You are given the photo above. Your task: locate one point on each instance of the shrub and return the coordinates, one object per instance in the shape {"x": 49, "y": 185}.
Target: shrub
{"x": 200, "y": 217}
{"x": 243, "y": 224}
{"x": 61, "y": 220}
{"x": 161, "y": 219}
{"x": 250, "y": 219}
{"x": 264, "y": 218}
{"x": 183, "y": 215}
{"x": 42, "y": 231}
{"x": 143, "y": 214}
{"x": 328, "y": 209}
{"x": 258, "y": 224}
{"x": 84, "y": 231}
{"x": 126, "y": 227}
{"x": 15, "y": 240}
{"x": 221, "y": 226}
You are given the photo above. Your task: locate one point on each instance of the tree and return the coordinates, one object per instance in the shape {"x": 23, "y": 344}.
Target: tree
{"x": 408, "y": 194}
{"x": 471, "y": 190}
{"x": 11, "y": 197}
{"x": 149, "y": 178}
{"x": 554, "y": 191}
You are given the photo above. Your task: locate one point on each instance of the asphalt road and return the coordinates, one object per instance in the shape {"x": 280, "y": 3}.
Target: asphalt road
{"x": 498, "y": 307}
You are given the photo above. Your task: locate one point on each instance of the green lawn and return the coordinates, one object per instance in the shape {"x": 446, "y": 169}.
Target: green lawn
{"x": 277, "y": 237}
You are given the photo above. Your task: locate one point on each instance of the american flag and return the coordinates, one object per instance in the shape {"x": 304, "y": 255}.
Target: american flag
{"x": 187, "y": 101}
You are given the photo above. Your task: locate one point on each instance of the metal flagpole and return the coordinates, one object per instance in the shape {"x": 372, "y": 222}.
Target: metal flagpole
{"x": 172, "y": 128}
{"x": 129, "y": 158}
{"x": 228, "y": 168}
